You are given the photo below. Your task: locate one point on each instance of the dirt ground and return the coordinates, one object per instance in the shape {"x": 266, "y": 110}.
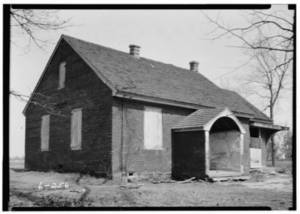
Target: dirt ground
{"x": 268, "y": 188}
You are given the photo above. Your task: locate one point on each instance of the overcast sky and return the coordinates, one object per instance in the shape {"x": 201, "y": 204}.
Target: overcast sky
{"x": 171, "y": 36}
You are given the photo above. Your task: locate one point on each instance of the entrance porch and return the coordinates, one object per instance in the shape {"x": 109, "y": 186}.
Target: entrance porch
{"x": 208, "y": 143}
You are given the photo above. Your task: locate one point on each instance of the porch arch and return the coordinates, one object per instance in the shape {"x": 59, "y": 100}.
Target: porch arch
{"x": 224, "y": 131}
{"x": 226, "y": 114}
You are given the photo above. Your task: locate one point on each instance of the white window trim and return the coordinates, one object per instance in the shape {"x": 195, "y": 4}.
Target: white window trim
{"x": 45, "y": 133}
{"x": 147, "y": 136}
{"x": 72, "y": 144}
{"x": 62, "y": 75}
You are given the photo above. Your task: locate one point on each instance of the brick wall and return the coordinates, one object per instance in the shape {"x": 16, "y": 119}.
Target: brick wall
{"x": 135, "y": 157}
{"x": 83, "y": 89}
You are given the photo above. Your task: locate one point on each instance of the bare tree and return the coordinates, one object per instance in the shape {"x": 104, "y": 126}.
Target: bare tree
{"x": 269, "y": 40}
{"x": 265, "y": 31}
{"x": 268, "y": 79}
{"x": 31, "y": 22}
{"x": 43, "y": 101}
{"x": 287, "y": 147}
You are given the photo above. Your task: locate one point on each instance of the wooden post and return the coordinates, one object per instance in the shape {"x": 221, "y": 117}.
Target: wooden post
{"x": 242, "y": 152}
{"x": 207, "y": 155}
{"x": 260, "y": 146}
{"x": 273, "y": 151}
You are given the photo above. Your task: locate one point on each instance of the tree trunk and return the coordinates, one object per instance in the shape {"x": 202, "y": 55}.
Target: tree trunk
{"x": 272, "y": 138}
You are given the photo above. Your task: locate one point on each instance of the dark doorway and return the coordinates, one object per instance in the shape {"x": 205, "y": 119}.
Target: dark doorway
{"x": 188, "y": 154}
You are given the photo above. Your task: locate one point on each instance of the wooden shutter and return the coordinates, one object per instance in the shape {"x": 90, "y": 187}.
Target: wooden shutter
{"x": 152, "y": 128}
{"x": 45, "y": 128}
{"x": 76, "y": 122}
{"x": 62, "y": 75}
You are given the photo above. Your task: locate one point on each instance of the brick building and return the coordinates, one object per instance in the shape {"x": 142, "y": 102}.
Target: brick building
{"x": 104, "y": 111}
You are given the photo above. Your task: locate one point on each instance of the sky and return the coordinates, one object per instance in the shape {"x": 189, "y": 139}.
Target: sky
{"x": 170, "y": 36}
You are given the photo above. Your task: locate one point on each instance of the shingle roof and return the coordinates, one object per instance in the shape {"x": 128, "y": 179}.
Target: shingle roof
{"x": 159, "y": 80}
{"x": 198, "y": 118}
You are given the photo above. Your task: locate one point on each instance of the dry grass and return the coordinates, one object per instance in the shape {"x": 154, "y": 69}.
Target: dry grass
{"x": 266, "y": 189}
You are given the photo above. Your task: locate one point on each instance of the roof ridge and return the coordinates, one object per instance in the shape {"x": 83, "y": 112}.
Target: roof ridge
{"x": 144, "y": 58}
{"x": 92, "y": 43}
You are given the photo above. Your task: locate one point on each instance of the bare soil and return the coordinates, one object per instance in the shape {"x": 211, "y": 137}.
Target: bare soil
{"x": 267, "y": 188}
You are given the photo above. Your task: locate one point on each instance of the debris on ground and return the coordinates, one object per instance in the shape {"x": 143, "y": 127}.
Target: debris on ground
{"x": 186, "y": 181}
{"x": 281, "y": 170}
{"x": 234, "y": 179}
{"x": 163, "y": 181}
{"x": 130, "y": 186}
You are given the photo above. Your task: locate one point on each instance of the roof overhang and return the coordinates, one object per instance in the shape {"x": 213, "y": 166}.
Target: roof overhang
{"x": 143, "y": 98}
{"x": 269, "y": 126}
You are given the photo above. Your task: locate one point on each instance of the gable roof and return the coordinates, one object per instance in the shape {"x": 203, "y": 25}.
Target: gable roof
{"x": 125, "y": 74}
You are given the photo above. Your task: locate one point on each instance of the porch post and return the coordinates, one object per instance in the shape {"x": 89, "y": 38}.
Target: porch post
{"x": 207, "y": 158}
{"x": 242, "y": 152}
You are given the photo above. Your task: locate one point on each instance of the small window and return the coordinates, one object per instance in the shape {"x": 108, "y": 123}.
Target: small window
{"x": 62, "y": 75}
{"x": 152, "y": 128}
{"x": 45, "y": 128}
{"x": 76, "y": 122}
{"x": 254, "y": 132}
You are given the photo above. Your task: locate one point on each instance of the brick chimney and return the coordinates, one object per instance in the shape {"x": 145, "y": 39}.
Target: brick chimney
{"x": 134, "y": 50}
{"x": 194, "y": 66}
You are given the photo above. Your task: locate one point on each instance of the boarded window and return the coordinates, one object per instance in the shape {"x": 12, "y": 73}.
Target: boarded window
{"x": 152, "y": 128}
{"x": 62, "y": 75}
{"x": 76, "y": 121}
{"x": 45, "y": 128}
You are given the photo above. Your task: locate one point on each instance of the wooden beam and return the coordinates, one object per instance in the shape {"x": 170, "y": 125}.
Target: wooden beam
{"x": 188, "y": 129}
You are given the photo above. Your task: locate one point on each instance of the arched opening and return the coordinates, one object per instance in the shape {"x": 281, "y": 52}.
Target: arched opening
{"x": 225, "y": 145}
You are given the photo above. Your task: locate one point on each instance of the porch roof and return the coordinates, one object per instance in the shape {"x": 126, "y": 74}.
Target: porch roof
{"x": 198, "y": 119}
{"x": 269, "y": 126}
